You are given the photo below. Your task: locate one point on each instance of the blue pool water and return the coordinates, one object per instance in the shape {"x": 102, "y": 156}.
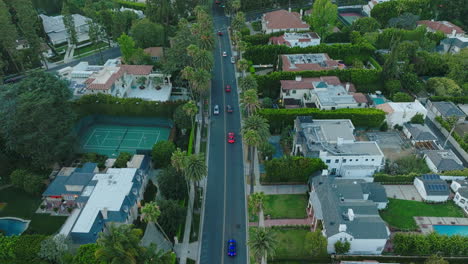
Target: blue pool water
{"x": 13, "y": 226}
{"x": 378, "y": 101}
{"x": 451, "y": 229}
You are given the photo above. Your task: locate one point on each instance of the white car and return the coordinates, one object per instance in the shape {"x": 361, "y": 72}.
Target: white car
{"x": 224, "y": 54}
{"x": 233, "y": 60}
{"x": 216, "y": 110}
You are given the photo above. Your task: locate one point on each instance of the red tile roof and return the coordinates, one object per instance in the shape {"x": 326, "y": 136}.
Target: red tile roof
{"x": 282, "y": 19}
{"x": 360, "y": 97}
{"x": 385, "y": 107}
{"x": 130, "y": 69}
{"x": 306, "y": 83}
{"x": 443, "y": 26}
{"x": 279, "y": 41}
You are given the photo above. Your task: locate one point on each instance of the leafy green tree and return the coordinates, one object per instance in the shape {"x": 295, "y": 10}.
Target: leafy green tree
{"x": 27, "y": 181}
{"x": 122, "y": 159}
{"x": 267, "y": 150}
{"x": 385, "y": 11}
{"x": 267, "y": 102}
{"x": 54, "y": 248}
{"x": 127, "y": 47}
{"x": 457, "y": 65}
{"x": 8, "y": 36}
{"x": 162, "y": 152}
{"x": 238, "y": 21}
{"x": 120, "y": 244}
{"x": 147, "y": 34}
{"x": 342, "y": 247}
{"x": 365, "y": 25}
{"x": 86, "y": 254}
{"x": 95, "y": 33}
{"x": 263, "y": 243}
{"x": 323, "y": 18}
{"x": 122, "y": 22}
{"x": 182, "y": 119}
{"x": 249, "y": 101}
{"x": 247, "y": 83}
{"x": 172, "y": 215}
{"x": 417, "y": 119}
{"x": 172, "y": 184}
{"x": 443, "y": 86}
{"x": 176, "y": 57}
{"x": 159, "y": 11}
{"x": 402, "y": 97}
{"x": 404, "y": 21}
{"x": 315, "y": 243}
{"x": 36, "y": 116}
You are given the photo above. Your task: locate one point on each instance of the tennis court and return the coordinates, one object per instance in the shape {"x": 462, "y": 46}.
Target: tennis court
{"x": 110, "y": 140}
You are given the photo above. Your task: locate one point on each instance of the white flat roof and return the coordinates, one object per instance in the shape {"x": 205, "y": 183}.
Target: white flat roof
{"x": 109, "y": 193}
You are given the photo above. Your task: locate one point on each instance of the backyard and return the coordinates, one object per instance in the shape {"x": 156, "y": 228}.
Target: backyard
{"x": 399, "y": 213}
{"x": 22, "y": 205}
{"x": 283, "y": 206}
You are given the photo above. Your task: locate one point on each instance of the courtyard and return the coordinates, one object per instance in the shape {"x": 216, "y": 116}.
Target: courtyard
{"x": 392, "y": 144}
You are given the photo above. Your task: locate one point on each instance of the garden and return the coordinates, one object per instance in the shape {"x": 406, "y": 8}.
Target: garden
{"x": 399, "y": 213}
{"x": 283, "y": 206}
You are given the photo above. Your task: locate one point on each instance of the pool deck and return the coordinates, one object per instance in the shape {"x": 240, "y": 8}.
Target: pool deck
{"x": 425, "y": 223}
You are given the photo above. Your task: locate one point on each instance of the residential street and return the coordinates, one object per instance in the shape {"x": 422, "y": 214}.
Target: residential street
{"x": 225, "y": 205}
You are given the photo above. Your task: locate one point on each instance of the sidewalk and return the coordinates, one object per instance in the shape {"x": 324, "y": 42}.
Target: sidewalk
{"x": 283, "y": 222}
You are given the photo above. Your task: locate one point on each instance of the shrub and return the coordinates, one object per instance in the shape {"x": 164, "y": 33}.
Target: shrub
{"x": 423, "y": 245}
{"x": 150, "y": 192}
{"x": 257, "y": 25}
{"x": 121, "y": 161}
{"x": 172, "y": 184}
{"x": 384, "y": 127}
{"x": 387, "y": 178}
{"x": 405, "y": 165}
{"x": 20, "y": 249}
{"x": 134, "y": 5}
{"x": 27, "y": 181}
{"x": 161, "y": 153}
{"x": 291, "y": 169}
{"x": 267, "y": 150}
{"x": 456, "y": 100}
{"x": 267, "y": 102}
{"x": 245, "y": 31}
{"x": 392, "y": 86}
{"x": 342, "y": 247}
{"x": 402, "y": 97}
{"x": 361, "y": 117}
{"x": 103, "y": 104}
{"x": 417, "y": 119}
{"x": 191, "y": 139}
{"x": 463, "y": 172}
{"x": 260, "y": 39}
{"x": 95, "y": 158}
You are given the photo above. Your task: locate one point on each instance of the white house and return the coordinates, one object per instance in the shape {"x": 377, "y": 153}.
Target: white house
{"x": 457, "y": 184}
{"x": 446, "y": 110}
{"x": 442, "y": 160}
{"x": 307, "y": 62}
{"x": 419, "y": 134}
{"x": 453, "y": 44}
{"x": 400, "y": 113}
{"x": 120, "y": 80}
{"x": 283, "y": 20}
{"x": 55, "y": 28}
{"x": 461, "y": 198}
{"x": 296, "y": 39}
{"x": 449, "y": 29}
{"x": 334, "y": 143}
{"x": 348, "y": 211}
{"x": 432, "y": 188}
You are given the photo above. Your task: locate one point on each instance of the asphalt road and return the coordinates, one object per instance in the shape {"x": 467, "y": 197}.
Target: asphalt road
{"x": 225, "y": 205}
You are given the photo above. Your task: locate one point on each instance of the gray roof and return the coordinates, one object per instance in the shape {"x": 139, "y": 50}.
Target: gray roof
{"x": 458, "y": 42}
{"x": 420, "y": 132}
{"x": 376, "y": 192}
{"x": 463, "y": 191}
{"x": 434, "y": 185}
{"x": 334, "y": 197}
{"x": 444, "y": 160}
{"x": 447, "y": 109}
{"x": 80, "y": 176}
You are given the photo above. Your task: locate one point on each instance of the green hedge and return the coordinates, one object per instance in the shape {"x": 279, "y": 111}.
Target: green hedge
{"x": 260, "y": 39}
{"x": 463, "y": 172}
{"x": 134, "y": 5}
{"x": 456, "y": 100}
{"x": 103, "y": 104}
{"x": 361, "y": 117}
{"x": 268, "y": 54}
{"x": 375, "y": 63}
{"x": 190, "y": 143}
{"x": 423, "y": 245}
{"x": 291, "y": 169}
{"x": 387, "y": 178}
{"x": 269, "y": 85}
{"x": 457, "y": 137}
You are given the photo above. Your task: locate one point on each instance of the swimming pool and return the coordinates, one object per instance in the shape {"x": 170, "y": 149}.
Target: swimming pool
{"x": 451, "y": 229}
{"x": 378, "y": 100}
{"x": 13, "y": 226}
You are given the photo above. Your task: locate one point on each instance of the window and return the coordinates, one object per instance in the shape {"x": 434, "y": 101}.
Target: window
{"x": 367, "y": 159}
{"x": 328, "y": 161}
{"x": 462, "y": 201}
{"x": 372, "y": 159}
{"x": 344, "y": 160}
{"x": 294, "y": 91}
{"x": 336, "y": 161}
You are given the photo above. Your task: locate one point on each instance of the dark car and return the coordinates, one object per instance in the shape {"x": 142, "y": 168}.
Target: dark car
{"x": 228, "y": 88}
{"x": 231, "y": 248}
{"x": 229, "y": 109}
{"x": 231, "y": 139}
{"x": 220, "y": 33}
{"x": 217, "y": 2}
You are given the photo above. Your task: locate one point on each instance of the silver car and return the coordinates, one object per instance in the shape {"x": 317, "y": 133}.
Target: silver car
{"x": 216, "y": 110}
{"x": 233, "y": 60}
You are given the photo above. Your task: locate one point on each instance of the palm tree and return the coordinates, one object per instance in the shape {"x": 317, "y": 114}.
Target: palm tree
{"x": 262, "y": 243}
{"x": 150, "y": 212}
{"x": 250, "y": 102}
{"x": 121, "y": 244}
{"x": 241, "y": 47}
{"x": 201, "y": 58}
{"x": 195, "y": 169}
{"x": 153, "y": 255}
{"x": 248, "y": 82}
{"x": 179, "y": 159}
{"x": 253, "y": 139}
{"x": 256, "y": 203}
{"x": 258, "y": 123}
{"x": 243, "y": 65}
{"x": 191, "y": 109}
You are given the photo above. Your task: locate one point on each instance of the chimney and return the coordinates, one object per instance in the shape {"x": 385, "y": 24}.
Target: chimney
{"x": 289, "y": 10}
{"x": 350, "y": 214}
{"x": 104, "y": 213}
{"x": 454, "y": 32}
{"x": 298, "y": 78}
{"x": 342, "y": 228}
{"x": 301, "y": 13}
{"x": 347, "y": 87}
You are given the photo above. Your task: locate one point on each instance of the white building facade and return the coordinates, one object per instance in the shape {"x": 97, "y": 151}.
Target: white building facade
{"x": 400, "y": 113}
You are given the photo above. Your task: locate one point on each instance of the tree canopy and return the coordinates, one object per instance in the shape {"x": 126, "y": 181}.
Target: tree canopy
{"x": 323, "y": 18}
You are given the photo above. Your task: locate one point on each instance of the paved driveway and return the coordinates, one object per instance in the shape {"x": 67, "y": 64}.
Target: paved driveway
{"x": 404, "y": 192}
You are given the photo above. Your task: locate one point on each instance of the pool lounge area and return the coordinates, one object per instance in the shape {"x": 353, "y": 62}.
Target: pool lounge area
{"x": 12, "y": 226}
{"x": 443, "y": 225}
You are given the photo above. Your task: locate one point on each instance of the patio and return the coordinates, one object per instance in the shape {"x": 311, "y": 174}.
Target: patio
{"x": 426, "y": 223}
{"x": 403, "y": 192}
{"x": 150, "y": 93}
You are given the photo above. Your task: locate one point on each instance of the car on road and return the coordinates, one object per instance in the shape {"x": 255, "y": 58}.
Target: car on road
{"x": 231, "y": 139}
{"x": 220, "y": 33}
{"x": 233, "y": 60}
{"x": 216, "y": 110}
{"x": 231, "y": 248}
{"x": 217, "y": 2}
{"x": 228, "y": 88}
{"x": 229, "y": 109}
{"x": 224, "y": 54}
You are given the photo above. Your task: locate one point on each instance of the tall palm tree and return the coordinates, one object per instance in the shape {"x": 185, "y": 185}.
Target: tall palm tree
{"x": 243, "y": 65}
{"x": 248, "y": 82}
{"x": 258, "y": 123}
{"x": 250, "y": 102}
{"x": 201, "y": 58}
{"x": 154, "y": 255}
{"x": 256, "y": 203}
{"x": 241, "y": 47}
{"x": 179, "y": 159}
{"x": 253, "y": 139}
{"x": 196, "y": 168}
{"x": 262, "y": 243}
{"x": 190, "y": 108}
{"x": 121, "y": 244}
{"x": 150, "y": 212}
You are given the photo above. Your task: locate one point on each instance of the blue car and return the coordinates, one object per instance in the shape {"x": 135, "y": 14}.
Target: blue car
{"x": 231, "y": 248}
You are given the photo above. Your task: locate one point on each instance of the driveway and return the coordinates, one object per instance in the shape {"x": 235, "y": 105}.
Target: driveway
{"x": 403, "y": 192}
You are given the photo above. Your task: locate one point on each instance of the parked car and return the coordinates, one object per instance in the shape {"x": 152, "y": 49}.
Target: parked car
{"x": 233, "y": 60}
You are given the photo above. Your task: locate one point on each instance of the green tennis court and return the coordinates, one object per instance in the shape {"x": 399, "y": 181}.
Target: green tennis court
{"x": 110, "y": 140}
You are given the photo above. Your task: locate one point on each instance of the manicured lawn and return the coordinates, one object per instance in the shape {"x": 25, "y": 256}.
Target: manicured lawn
{"x": 285, "y": 206}
{"x": 400, "y": 213}
{"x": 22, "y": 205}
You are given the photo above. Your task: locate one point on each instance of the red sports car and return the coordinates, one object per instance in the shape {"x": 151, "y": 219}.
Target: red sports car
{"x": 228, "y": 88}
{"x": 231, "y": 138}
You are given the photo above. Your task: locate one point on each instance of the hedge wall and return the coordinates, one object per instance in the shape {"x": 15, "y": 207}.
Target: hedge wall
{"x": 268, "y": 54}
{"x": 387, "y": 178}
{"x": 456, "y": 100}
{"x": 269, "y": 85}
{"x": 260, "y": 39}
{"x": 291, "y": 169}
{"x": 423, "y": 245}
{"x": 361, "y": 117}
{"x": 458, "y": 138}
{"x": 103, "y": 104}
{"x": 134, "y": 5}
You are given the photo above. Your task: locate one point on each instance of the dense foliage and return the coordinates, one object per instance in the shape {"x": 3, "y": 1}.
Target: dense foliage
{"x": 291, "y": 169}
{"x": 21, "y": 249}
{"x": 402, "y": 179}
{"x": 172, "y": 217}
{"x": 172, "y": 184}
{"x": 456, "y": 100}
{"x": 361, "y": 117}
{"x": 150, "y": 192}
{"x": 161, "y": 153}
{"x": 122, "y": 159}
{"x": 460, "y": 140}
{"x": 109, "y": 105}
{"x": 418, "y": 244}
{"x": 28, "y": 181}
